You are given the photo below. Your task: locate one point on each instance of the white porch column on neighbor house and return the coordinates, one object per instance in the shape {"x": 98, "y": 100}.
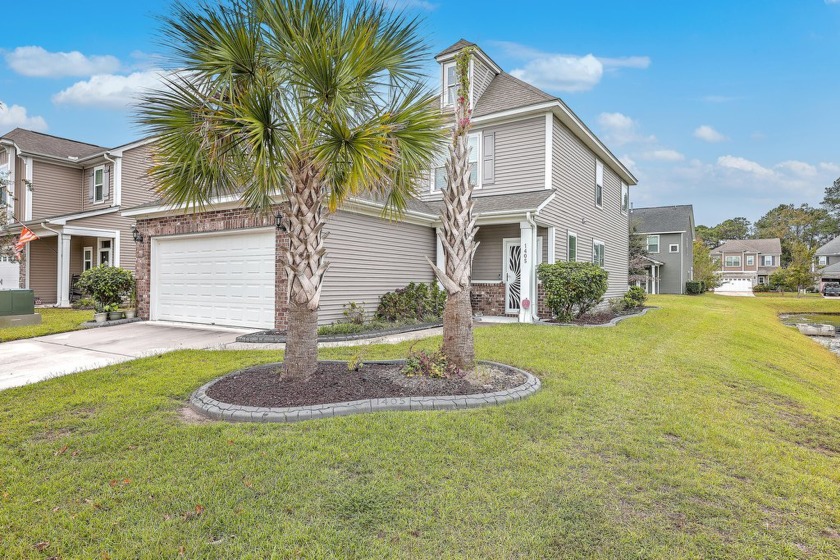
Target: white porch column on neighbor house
{"x": 440, "y": 257}
{"x": 526, "y": 271}
{"x": 63, "y": 283}
{"x": 653, "y": 279}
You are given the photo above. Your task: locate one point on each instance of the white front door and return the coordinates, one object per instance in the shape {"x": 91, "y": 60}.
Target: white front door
{"x": 512, "y": 274}
{"x": 215, "y": 279}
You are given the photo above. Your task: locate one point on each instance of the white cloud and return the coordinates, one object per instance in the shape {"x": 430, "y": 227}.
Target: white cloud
{"x": 620, "y": 129}
{"x": 830, "y": 167}
{"x": 663, "y": 155}
{"x": 38, "y": 62}
{"x": 708, "y": 134}
{"x": 109, "y": 90}
{"x": 832, "y": 1}
{"x": 565, "y": 72}
{"x": 798, "y": 168}
{"x": 13, "y": 116}
{"x": 745, "y": 165}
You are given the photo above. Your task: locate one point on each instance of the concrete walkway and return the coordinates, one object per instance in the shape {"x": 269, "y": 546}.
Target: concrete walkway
{"x": 35, "y": 359}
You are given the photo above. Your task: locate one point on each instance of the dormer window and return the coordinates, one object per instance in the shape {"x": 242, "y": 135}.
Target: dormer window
{"x": 450, "y": 83}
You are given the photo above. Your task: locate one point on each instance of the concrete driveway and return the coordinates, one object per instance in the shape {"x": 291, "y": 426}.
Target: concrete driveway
{"x": 36, "y": 359}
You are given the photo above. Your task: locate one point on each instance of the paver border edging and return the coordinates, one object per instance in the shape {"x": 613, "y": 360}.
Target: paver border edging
{"x": 217, "y": 410}
{"x": 261, "y": 338}
{"x": 115, "y": 322}
{"x": 612, "y": 323}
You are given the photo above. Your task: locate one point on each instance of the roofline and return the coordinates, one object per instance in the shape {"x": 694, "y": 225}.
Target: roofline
{"x": 657, "y": 232}
{"x": 570, "y": 119}
{"x": 478, "y": 52}
{"x": 51, "y": 136}
{"x": 663, "y": 206}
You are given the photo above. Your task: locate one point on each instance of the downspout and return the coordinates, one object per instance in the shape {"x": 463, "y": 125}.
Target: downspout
{"x": 534, "y": 290}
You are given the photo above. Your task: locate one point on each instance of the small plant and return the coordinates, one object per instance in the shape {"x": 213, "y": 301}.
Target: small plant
{"x": 84, "y": 303}
{"x": 356, "y": 362}
{"x": 354, "y": 313}
{"x": 635, "y": 297}
{"x": 430, "y": 364}
{"x": 694, "y": 288}
{"x": 110, "y": 308}
{"x": 618, "y": 304}
{"x": 107, "y": 285}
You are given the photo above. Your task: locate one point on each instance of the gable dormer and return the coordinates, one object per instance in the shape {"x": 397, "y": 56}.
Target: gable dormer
{"x": 482, "y": 72}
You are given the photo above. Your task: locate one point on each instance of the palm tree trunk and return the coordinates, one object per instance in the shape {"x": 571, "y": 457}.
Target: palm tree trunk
{"x": 457, "y": 330}
{"x": 305, "y": 266}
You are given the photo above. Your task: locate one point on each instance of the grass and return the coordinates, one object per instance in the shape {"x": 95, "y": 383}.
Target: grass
{"x": 346, "y": 327}
{"x": 703, "y": 429}
{"x": 53, "y": 320}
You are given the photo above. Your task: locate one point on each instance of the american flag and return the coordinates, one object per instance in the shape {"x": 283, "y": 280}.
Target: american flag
{"x": 26, "y": 235}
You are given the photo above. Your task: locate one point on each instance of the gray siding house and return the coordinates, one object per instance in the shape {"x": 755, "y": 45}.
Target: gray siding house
{"x": 69, "y": 194}
{"x": 547, "y": 189}
{"x": 668, "y": 233}
{"x": 828, "y": 262}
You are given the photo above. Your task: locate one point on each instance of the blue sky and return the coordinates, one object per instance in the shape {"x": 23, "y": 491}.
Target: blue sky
{"x": 733, "y": 106}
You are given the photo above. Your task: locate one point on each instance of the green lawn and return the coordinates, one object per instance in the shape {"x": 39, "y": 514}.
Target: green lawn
{"x": 53, "y": 321}
{"x": 703, "y": 429}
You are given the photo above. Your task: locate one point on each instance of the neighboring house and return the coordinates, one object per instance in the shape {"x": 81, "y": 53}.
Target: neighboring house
{"x": 828, "y": 262}
{"x": 668, "y": 232}
{"x": 70, "y": 194}
{"x": 747, "y": 262}
{"x": 547, "y": 189}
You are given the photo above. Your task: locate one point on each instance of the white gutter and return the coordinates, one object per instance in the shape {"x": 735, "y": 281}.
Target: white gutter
{"x": 117, "y": 172}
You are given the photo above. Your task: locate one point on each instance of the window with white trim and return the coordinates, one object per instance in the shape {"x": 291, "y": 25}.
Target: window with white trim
{"x": 450, "y": 84}
{"x": 105, "y": 247}
{"x": 571, "y": 247}
{"x": 598, "y": 250}
{"x": 599, "y": 184}
{"x": 439, "y": 177}
{"x": 87, "y": 258}
{"x": 768, "y": 260}
{"x": 823, "y": 260}
{"x": 761, "y": 279}
{"x": 99, "y": 184}
{"x": 673, "y": 248}
{"x": 750, "y": 260}
{"x": 625, "y": 198}
{"x": 732, "y": 260}
{"x": 652, "y": 243}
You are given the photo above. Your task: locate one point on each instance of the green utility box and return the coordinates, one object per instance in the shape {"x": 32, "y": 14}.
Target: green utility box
{"x": 17, "y": 308}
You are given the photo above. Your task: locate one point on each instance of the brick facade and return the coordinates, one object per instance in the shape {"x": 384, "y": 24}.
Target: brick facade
{"x": 489, "y": 299}
{"x": 205, "y": 222}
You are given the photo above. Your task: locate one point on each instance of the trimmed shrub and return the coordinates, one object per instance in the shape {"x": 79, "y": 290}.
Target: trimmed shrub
{"x": 572, "y": 288}
{"x": 635, "y": 297}
{"x": 694, "y": 288}
{"x": 107, "y": 285}
{"x": 415, "y": 301}
{"x": 760, "y": 288}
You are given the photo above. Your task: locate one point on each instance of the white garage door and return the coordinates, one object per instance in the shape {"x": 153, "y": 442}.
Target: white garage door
{"x": 216, "y": 279}
{"x": 735, "y": 285}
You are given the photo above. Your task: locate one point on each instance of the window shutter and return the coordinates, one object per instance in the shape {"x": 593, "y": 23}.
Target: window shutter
{"x": 106, "y": 182}
{"x": 90, "y": 185}
{"x": 488, "y": 170}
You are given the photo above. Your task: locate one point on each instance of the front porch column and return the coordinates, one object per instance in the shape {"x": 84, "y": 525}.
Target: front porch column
{"x": 63, "y": 281}
{"x": 527, "y": 276}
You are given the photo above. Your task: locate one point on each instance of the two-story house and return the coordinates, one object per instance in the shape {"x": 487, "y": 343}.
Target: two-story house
{"x": 70, "y": 194}
{"x": 827, "y": 262}
{"x": 547, "y": 189}
{"x": 668, "y": 234}
{"x": 747, "y": 262}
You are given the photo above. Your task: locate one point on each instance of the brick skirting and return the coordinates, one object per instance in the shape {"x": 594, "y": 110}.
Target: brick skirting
{"x": 489, "y": 299}
{"x": 205, "y": 222}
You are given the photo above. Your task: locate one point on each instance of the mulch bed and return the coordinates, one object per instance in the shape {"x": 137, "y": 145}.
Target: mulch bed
{"x": 264, "y": 385}
{"x": 600, "y": 318}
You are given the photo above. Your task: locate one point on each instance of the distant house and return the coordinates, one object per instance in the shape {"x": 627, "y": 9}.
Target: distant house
{"x": 747, "y": 262}
{"x": 828, "y": 262}
{"x": 668, "y": 232}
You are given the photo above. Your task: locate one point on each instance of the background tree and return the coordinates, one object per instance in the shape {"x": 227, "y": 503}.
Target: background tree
{"x": 458, "y": 229}
{"x": 637, "y": 263}
{"x": 311, "y": 101}
{"x": 733, "y": 228}
{"x": 796, "y": 224}
{"x": 831, "y": 200}
{"x": 704, "y": 266}
{"x": 708, "y": 235}
{"x": 800, "y": 272}
{"x": 7, "y": 240}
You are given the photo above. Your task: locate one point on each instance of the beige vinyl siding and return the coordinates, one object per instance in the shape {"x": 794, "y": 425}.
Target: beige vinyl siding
{"x": 4, "y": 157}
{"x": 488, "y": 262}
{"x": 136, "y": 186}
{"x": 370, "y": 256}
{"x": 482, "y": 76}
{"x": 43, "y": 263}
{"x": 128, "y": 248}
{"x": 573, "y": 177}
{"x": 109, "y": 177}
{"x": 56, "y": 190}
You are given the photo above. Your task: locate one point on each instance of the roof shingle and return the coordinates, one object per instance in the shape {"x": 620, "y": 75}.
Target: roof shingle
{"x": 506, "y": 92}
{"x": 661, "y": 219}
{"x": 45, "y": 144}
{"x": 830, "y": 248}
{"x": 764, "y": 246}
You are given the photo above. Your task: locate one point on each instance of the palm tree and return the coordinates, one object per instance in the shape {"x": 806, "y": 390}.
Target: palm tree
{"x": 457, "y": 232}
{"x": 305, "y": 101}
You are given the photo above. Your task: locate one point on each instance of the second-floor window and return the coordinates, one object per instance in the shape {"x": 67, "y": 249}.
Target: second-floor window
{"x": 439, "y": 172}
{"x": 750, "y": 260}
{"x": 674, "y": 248}
{"x": 823, "y": 261}
{"x": 450, "y": 84}
{"x": 732, "y": 260}
{"x": 599, "y": 184}
{"x": 768, "y": 260}
{"x": 653, "y": 243}
{"x": 99, "y": 184}
{"x": 625, "y": 198}
{"x": 598, "y": 253}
